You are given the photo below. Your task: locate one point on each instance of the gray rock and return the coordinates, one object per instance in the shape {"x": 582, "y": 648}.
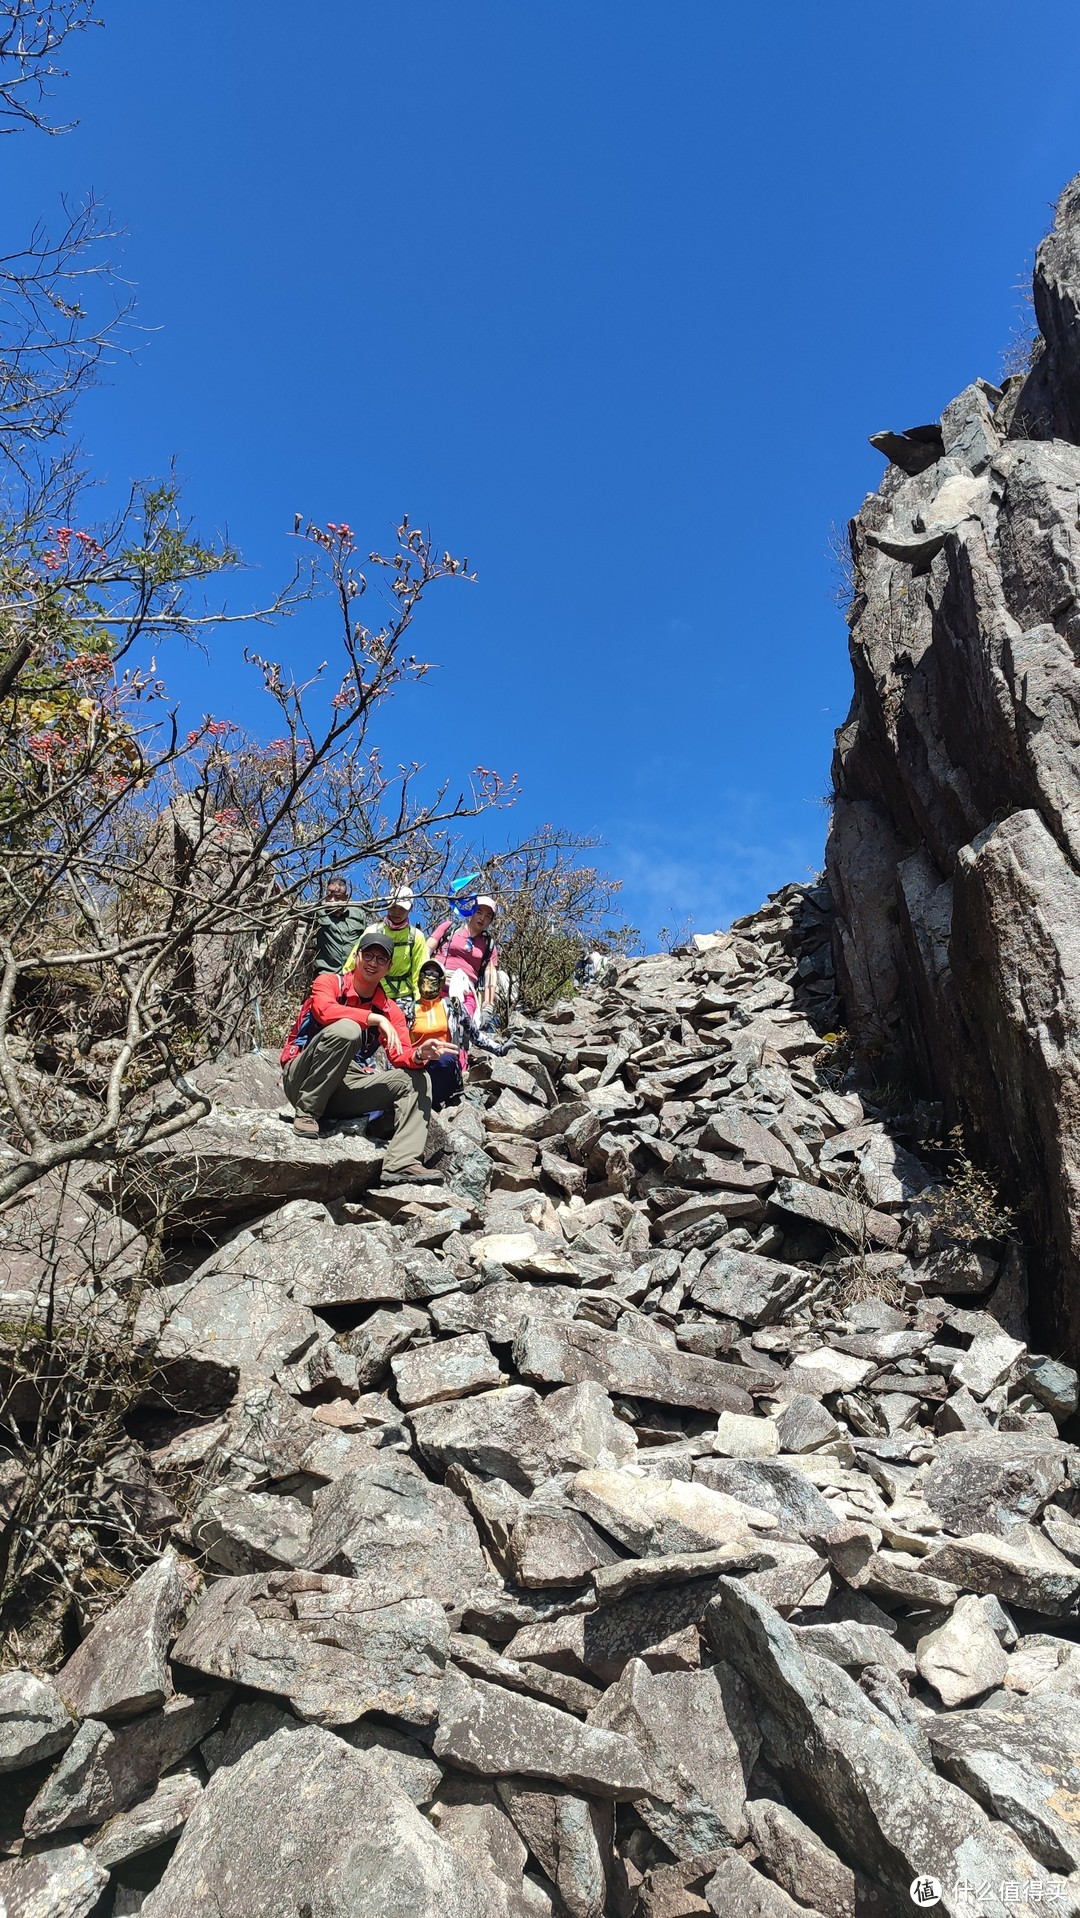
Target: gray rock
{"x": 251, "y": 1531}
{"x": 648, "y": 1514}
{"x": 105, "y": 1769}
{"x": 554, "y": 1353}
{"x": 570, "y": 1838}
{"x": 374, "y": 1343}
{"x": 863, "y": 1780}
{"x": 250, "y": 1721}
{"x": 804, "y": 1424}
{"x": 1055, "y": 1385}
{"x": 988, "y": 1361}
{"x": 992, "y": 1481}
{"x": 63, "y": 1882}
{"x": 500, "y": 1309}
{"x": 289, "y": 1826}
{"x": 836, "y": 1213}
{"x": 34, "y": 1721}
{"x": 1021, "y": 1764}
{"x": 743, "y": 1286}
{"x": 638, "y": 1625}
{"x": 957, "y": 1271}
{"x": 121, "y": 1667}
{"x": 1062, "y": 1531}
{"x": 854, "y": 1646}
{"x": 771, "y": 1486}
{"x": 272, "y": 1443}
{"x": 155, "y": 1818}
{"x": 474, "y": 1824}
{"x": 962, "y": 1657}
{"x": 612, "y": 1582}
{"x": 234, "y": 1164}
{"x": 475, "y": 1657}
{"x": 223, "y": 1324}
{"x": 736, "y": 1130}
{"x": 515, "y": 1435}
{"x": 484, "y": 1729}
{"x": 551, "y": 1546}
{"x": 397, "y": 1536}
{"x": 450, "y": 1369}
{"x": 1023, "y": 1569}
{"x": 696, "y": 1734}
{"x": 401, "y": 1760}
{"x": 801, "y": 1865}
{"x": 321, "y": 1643}
{"x": 738, "y": 1891}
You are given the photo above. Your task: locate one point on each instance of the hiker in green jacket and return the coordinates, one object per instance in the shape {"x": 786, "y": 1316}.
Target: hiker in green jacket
{"x": 338, "y": 925}
{"x": 402, "y": 982}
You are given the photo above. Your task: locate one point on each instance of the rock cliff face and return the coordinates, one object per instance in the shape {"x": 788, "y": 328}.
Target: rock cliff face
{"x": 954, "y": 853}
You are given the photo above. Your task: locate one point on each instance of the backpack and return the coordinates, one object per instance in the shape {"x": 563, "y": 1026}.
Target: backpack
{"x": 305, "y": 1026}
{"x": 485, "y": 941}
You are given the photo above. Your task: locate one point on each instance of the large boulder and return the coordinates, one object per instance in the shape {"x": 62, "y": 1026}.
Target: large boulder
{"x": 236, "y": 1163}
{"x": 302, "y": 1822}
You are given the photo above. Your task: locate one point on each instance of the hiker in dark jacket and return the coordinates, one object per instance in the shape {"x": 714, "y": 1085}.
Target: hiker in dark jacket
{"x": 338, "y": 926}
{"x": 329, "y": 1062}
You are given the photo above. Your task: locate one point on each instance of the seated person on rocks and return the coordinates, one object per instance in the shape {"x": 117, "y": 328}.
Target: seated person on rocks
{"x": 328, "y": 1061}
{"x": 409, "y": 951}
{"x": 338, "y": 925}
{"x": 440, "y": 1017}
{"x": 470, "y": 957}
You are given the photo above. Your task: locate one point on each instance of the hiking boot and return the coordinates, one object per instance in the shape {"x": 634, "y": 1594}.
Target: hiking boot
{"x": 415, "y": 1174}
{"x": 306, "y": 1125}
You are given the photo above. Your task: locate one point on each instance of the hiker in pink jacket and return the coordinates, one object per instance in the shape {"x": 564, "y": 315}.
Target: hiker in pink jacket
{"x": 469, "y": 956}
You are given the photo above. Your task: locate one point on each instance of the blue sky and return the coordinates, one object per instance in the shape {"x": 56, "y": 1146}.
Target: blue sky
{"x": 610, "y": 296}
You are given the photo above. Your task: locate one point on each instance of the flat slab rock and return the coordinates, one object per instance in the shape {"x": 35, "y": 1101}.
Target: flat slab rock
{"x": 500, "y": 1734}
{"x": 697, "y": 1734}
{"x": 836, "y": 1213}
{"x": 319, "y": 1642}
{"x": 1022, "y": 1569}
{"x": 121, "y": 1668}
{"x": 742, "y": 1285}
{"x": 450, "y": 1369}
{"x": 63, "y": 1882}
{"x": 397, "y": 1535}
{"x": 34, "y": 1721}
{"x": 648, "y": 1514}
{"x": 557, "y": 1353}
{"x": 236, "y": 1163}
{"x": 514, "y": 1434}
{"x": 303, "y": 1823}
{"x": 106, "y": 1768}
{"x": 1021, "y": 1763}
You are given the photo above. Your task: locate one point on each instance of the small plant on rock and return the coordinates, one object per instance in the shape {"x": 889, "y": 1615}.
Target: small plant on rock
{"x": 966, "y": 1209}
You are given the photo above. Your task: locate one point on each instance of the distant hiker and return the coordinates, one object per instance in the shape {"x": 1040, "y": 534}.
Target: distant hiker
{"x": 470, "y": 957}
{"x": 409, "y": 951}
{"x": 338, "y": 926}
{"x": 329, "y": 1069}
{"x": 591, "y": 968}
{"x": 439, "y": 1016}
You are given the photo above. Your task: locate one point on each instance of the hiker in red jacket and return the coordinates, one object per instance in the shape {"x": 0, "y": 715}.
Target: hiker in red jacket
{"x": 328, "y": 1061}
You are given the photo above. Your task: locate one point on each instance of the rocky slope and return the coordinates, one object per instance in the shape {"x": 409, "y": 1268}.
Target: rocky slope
{"x": 662, "y": 1516}
{"x": 954, "y": 855}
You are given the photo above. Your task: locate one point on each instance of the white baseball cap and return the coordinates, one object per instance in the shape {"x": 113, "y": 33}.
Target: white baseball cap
{"x": 402, "y": 897}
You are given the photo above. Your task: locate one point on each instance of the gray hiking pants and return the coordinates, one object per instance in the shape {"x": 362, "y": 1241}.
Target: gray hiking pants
{"x": 323, "y": 1081}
